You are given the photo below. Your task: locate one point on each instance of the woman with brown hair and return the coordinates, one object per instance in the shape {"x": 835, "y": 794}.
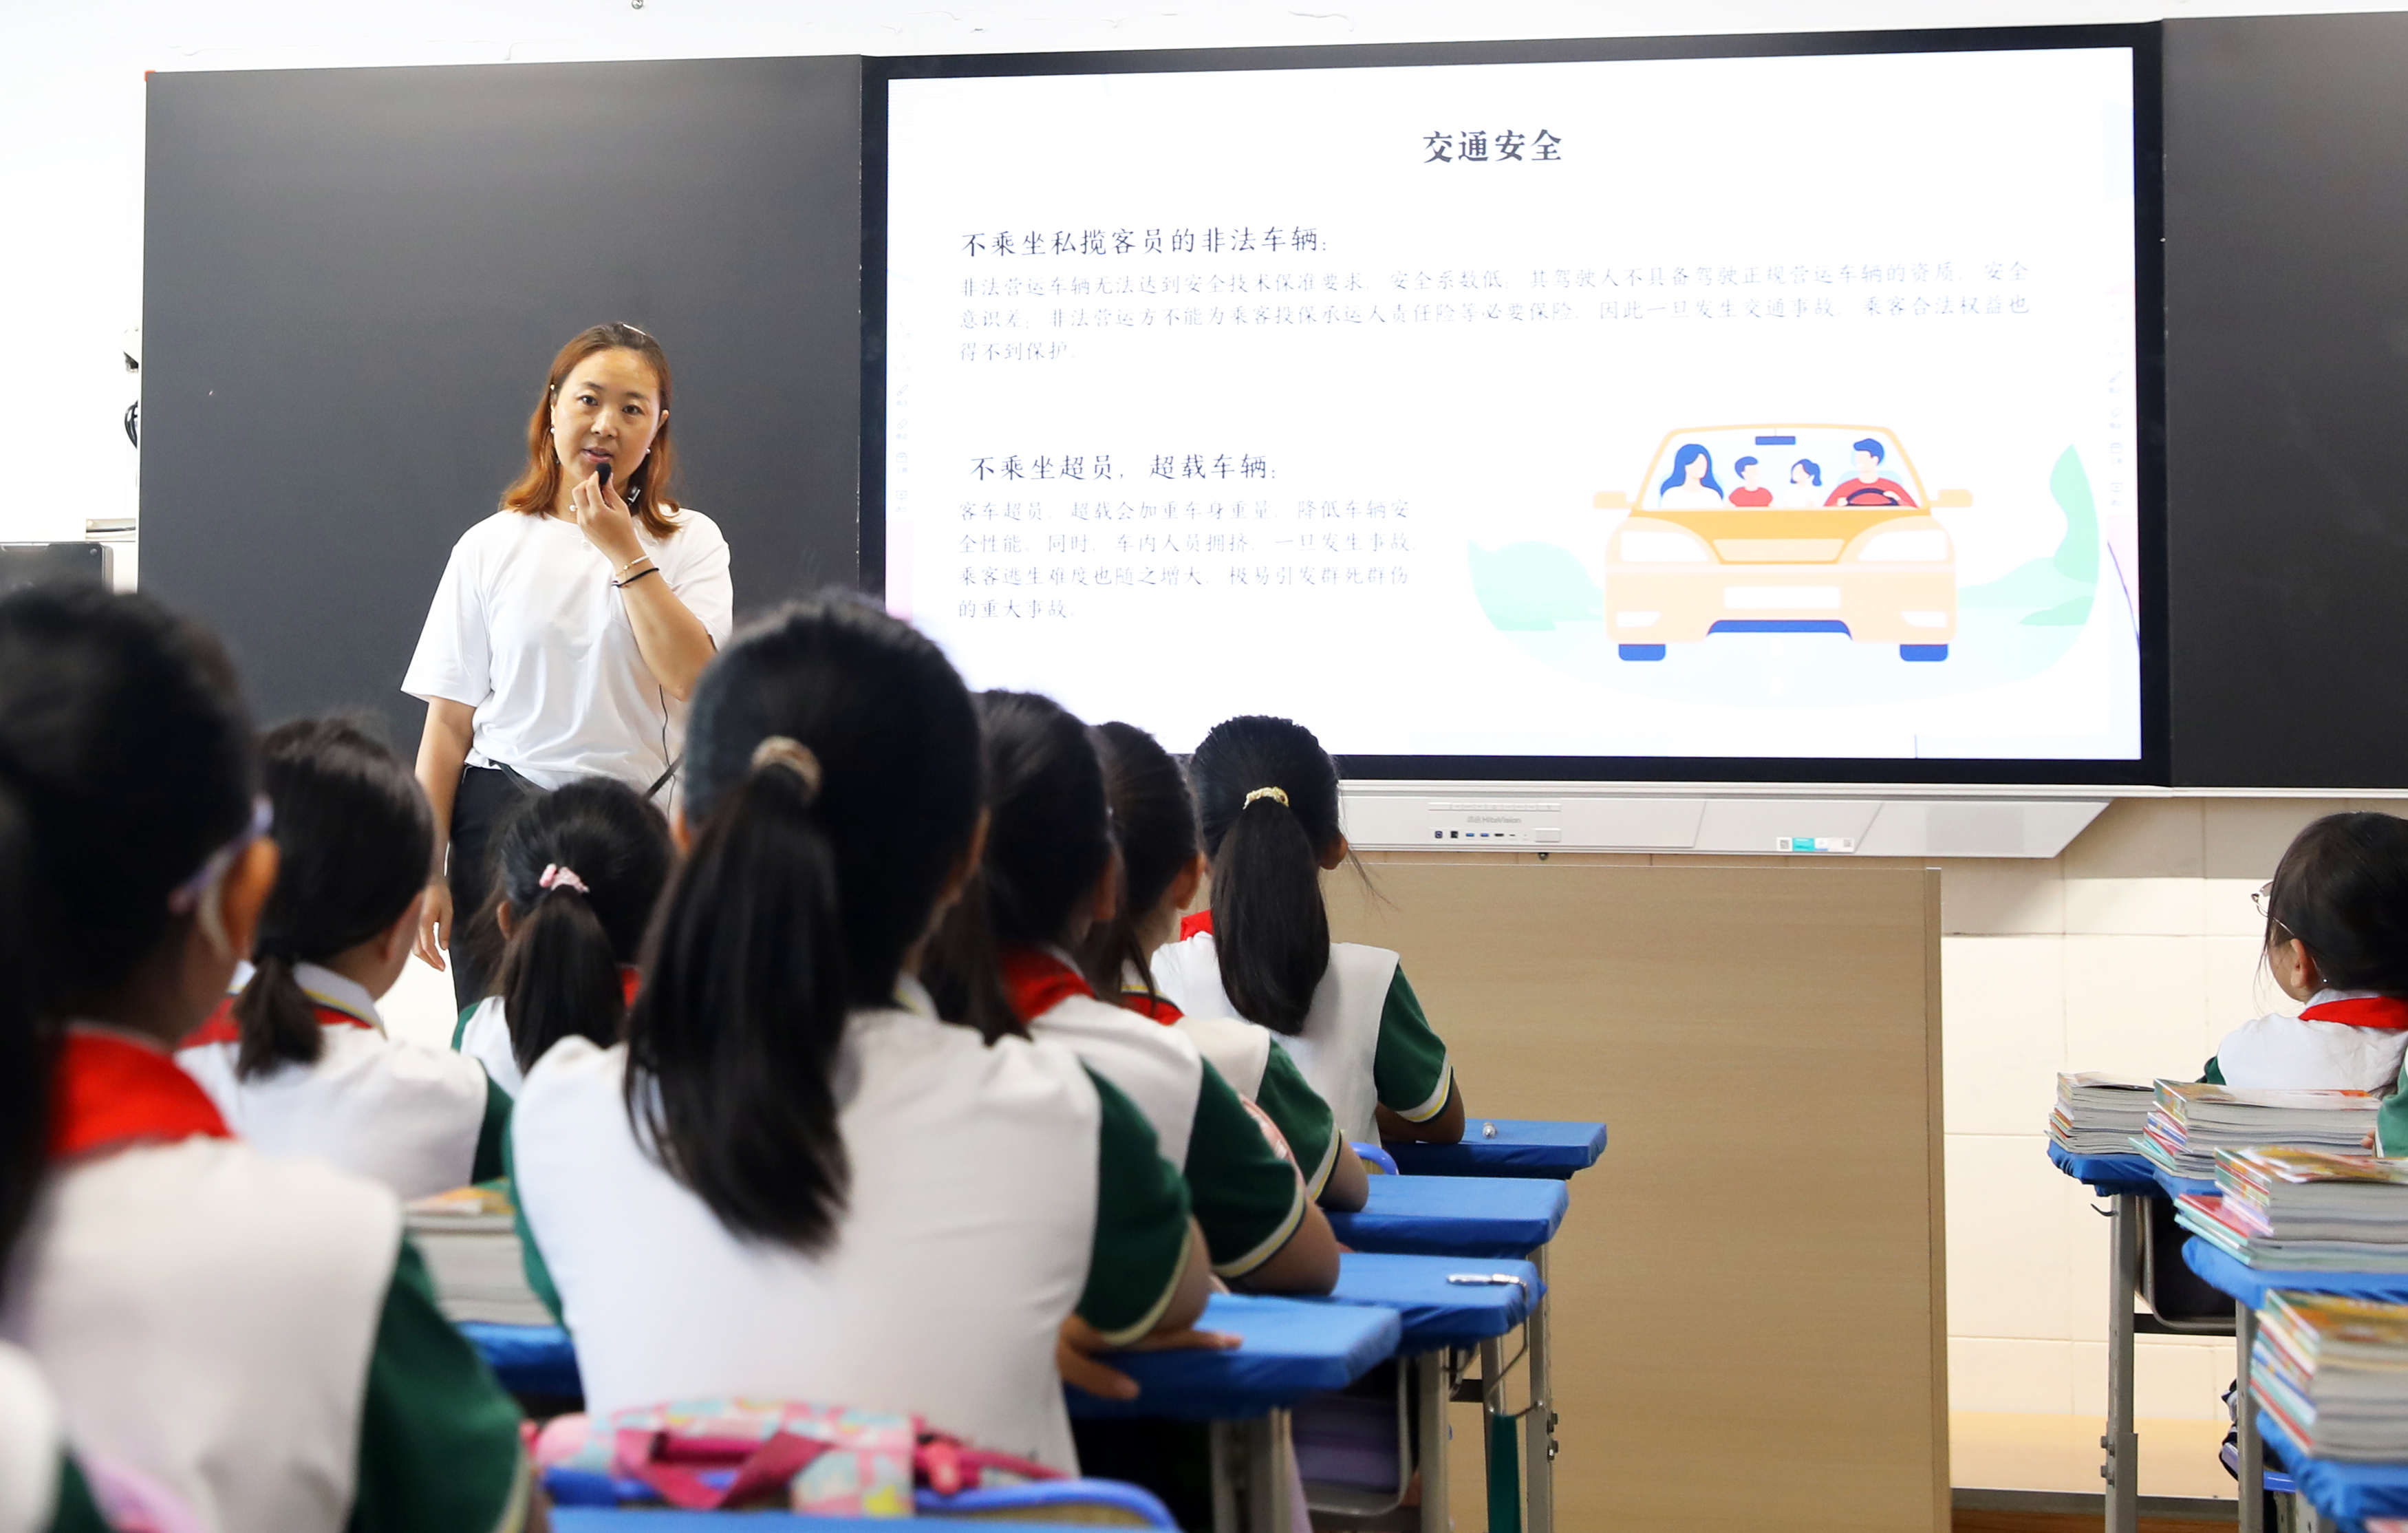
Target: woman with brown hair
{"x": 569, "y": 626}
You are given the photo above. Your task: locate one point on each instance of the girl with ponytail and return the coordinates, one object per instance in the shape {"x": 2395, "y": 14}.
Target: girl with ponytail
{"x": 1162, "y": 866}
{"x": 792, "y": 1179}
{"x": 298, "y": 1060}
{"x": 575, "y": 875}
{"x": 253, "y": 1339}
{"x": 1267, "y": 797}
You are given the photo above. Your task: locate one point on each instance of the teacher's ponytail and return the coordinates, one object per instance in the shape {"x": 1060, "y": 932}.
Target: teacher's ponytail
{"x": 833, "y": 778}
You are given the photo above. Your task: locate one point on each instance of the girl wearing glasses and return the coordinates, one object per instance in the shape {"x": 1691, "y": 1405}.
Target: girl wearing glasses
{"x": 2336, "y": 938}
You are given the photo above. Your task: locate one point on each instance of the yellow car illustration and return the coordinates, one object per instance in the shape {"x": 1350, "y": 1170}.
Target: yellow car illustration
{"x": 1781, "y": 529}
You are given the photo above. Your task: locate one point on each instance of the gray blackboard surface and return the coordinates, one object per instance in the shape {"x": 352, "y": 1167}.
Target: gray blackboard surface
{"x": 354, "y": 279}
{"x": 2286, "y": 399}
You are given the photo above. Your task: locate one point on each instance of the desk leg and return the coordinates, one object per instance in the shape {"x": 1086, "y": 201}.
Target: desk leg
{"x": 1430, "y": 1390}
{"x": 1501, "y": 1449}
{"x": 2122, "y": 1471}
{"x": 1226, "y": 1453}
{"x": 2252, "y": 1488}
{"x": 1270, "y": 1475}
{"x": 1538, "y": 1427}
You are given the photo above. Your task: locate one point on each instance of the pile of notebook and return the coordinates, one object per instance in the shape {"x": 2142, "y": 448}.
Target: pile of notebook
{"x": 2191, "y": 1121}
{"x": 2309, "y": 1211}
{"x": 470, "y": 1238}
{"x": 2097, "y": 1114}
{"x": 2334, "y": 1372}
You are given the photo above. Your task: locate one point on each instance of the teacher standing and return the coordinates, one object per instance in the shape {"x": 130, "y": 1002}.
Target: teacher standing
{"x": 569, "y": 626}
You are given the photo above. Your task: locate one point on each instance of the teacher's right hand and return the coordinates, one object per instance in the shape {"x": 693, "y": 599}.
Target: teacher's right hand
{"x": 435, "y": 924}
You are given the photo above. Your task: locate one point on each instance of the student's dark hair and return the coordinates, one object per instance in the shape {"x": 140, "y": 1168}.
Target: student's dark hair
{"x": 1154, "y": 820}
{"x": 2341, "y": 888}
{"x": 1270, "y": 926}
{"x": 1048, "y": 838}
{"x": 356, "y": 840}
{"x": 124, "y": 740}
{"x": 558, "y": 972}
{"x": 832, "y": 779}
{"x": 26, "y": 1045}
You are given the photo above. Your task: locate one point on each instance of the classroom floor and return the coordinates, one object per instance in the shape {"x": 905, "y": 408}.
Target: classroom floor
{"x": 1993, "y": 1451}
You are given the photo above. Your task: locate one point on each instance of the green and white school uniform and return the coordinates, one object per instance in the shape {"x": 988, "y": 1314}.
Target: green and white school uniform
{"x": 41, "y": 1491}
{"x": 2344, "y": 1041}
{"x": 1365, "y": 1042}
{"x": 993, "y": 1190}
{"x": 1248, "y": 1200}
{"x": 419, "y": 1119}
{"x": 1257, "y": 1068}
{"x": 252, "y": 1336}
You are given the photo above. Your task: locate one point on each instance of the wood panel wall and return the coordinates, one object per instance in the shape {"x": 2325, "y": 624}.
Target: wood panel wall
{"x": 1750, "y": 1309}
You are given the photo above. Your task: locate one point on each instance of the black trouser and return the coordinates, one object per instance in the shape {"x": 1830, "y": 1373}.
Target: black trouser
{"x": 484, "y": 801}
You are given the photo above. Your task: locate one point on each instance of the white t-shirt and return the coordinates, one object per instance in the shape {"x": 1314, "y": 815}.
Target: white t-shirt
{"x": 963, "y": 1246}
{"x": 2280, "y": 1051}
{"x": 396, "y": 1112}
{"x": 527, "y": 629}
{"x": 486, "y": 1037}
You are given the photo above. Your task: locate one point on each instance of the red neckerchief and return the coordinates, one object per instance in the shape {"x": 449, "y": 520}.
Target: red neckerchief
{"x": 1156, "y": 1007}
{"x": 107, "y": 1092}
{"x": 221, "y": 1027}
{"x": 1037, "y": 981}
{"x": 1199, "y": 925}
{"x": 630, "y": 980}
{"x": 2385, "y": 1013}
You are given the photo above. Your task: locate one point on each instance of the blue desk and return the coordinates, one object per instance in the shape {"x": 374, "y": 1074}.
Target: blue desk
{"x": 1436, "y": 1312}
{"x": 528, "y": 1359}
{"x": 2346, "y": 1493}
{"x": 2248, "y": 1288}
{"x": 1524, "y": 1147}
{"x": 660, "y": 1520}
{"x": 1293, "y": 1348}
{"x": 2107, "y": 1174}
{"x": 1455, "y": 1216}
{"x": 2129, "y": 1181}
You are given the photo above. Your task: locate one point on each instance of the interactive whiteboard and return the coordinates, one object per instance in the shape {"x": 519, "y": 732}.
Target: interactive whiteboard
{"x": 1677, "y": 407}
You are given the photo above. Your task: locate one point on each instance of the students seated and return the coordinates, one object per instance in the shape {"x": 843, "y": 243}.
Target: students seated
{"x": 793, "y": 1180}
{"x": 1267, "y": 799}
{"x": 575, "y": 875}
{"x": 1047, "y": 876}
{"x": 299, "y": 1063}
{"x": 2337, "y": 938}
{"x": 253, "y": 1336}
{"x": 1162, "y": 866}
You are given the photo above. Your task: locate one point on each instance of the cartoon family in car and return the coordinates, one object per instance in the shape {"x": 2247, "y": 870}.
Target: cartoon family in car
{"x": 1780, "y": 552}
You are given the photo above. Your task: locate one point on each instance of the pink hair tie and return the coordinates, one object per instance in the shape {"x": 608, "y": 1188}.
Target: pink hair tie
{"x": 557, "y": 877}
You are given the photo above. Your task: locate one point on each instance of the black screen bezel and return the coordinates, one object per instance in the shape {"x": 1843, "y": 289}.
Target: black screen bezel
{"x": 2144, "y": 39}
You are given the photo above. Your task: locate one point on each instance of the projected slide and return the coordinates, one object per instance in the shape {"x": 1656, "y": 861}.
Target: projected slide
{"x": 1752, "y": 407}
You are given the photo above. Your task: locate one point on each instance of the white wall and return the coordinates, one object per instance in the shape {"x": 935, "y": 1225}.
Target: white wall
{"x": 2135, "y": 951}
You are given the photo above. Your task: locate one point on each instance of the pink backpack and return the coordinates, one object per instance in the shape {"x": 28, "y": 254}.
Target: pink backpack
{"x": 705, "y": 1454}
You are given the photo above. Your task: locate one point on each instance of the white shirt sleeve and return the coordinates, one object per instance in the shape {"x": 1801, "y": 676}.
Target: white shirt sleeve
{"x": 700, "y": 573}
{"x": 454, "y": 656}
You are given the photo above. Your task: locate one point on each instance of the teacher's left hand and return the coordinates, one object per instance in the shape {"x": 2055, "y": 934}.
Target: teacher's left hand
{"x": 605, "y": 521}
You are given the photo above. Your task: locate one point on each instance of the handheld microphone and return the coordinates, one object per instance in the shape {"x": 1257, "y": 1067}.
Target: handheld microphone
{"x": 602, "y": 475}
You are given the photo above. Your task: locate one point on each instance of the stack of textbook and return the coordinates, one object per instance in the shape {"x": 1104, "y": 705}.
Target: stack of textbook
{"x": 2097, "y": 1114}
{"x": 2308, "y": 1211}
{"x": 470, "y": 1238}
{"x": 2191, "y": 1121}
{"x": 2335, "y": 1371}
